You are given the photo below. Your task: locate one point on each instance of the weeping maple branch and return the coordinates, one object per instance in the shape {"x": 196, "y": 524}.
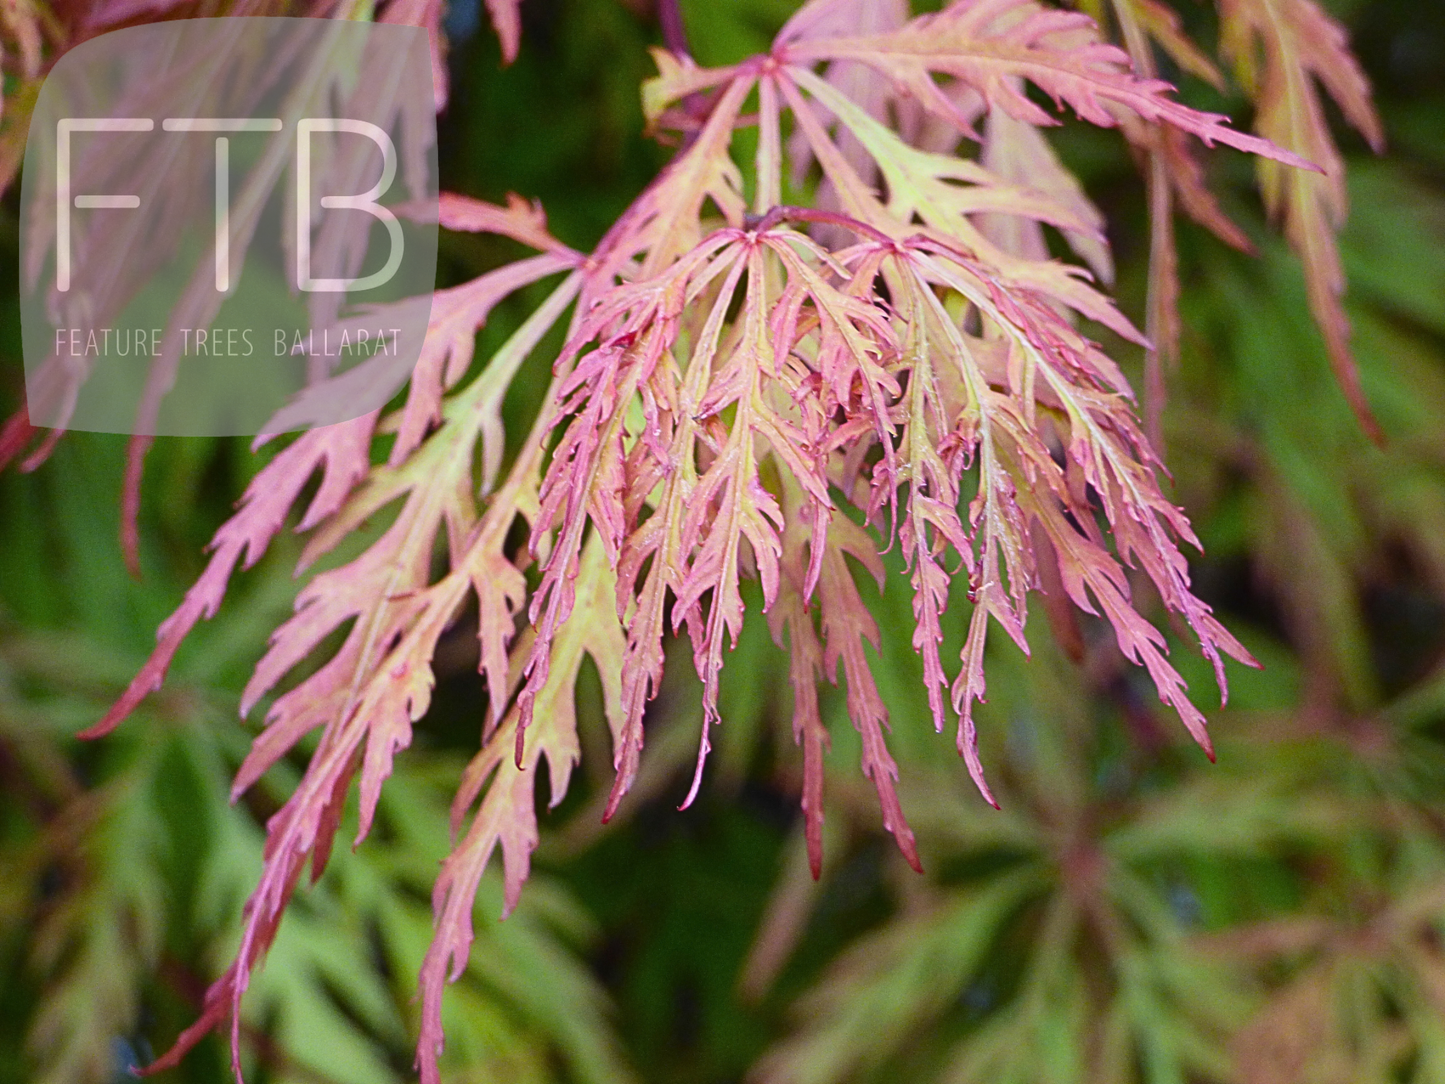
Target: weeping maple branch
{"x": 745, "y": 390}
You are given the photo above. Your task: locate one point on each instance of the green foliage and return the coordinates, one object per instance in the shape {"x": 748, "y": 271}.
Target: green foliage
{"x": 1131, "y": 914}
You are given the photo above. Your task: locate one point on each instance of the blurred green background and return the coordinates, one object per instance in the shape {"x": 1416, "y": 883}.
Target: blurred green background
{"x": 1132, "y": 914}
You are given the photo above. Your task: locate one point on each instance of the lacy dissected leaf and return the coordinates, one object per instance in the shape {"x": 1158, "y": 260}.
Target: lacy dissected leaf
{"x": 1173, "y": 170}
{"x": 790, "y": 619}
{"x": 1020, "y": 154}
{"x": 343, "y": 454}
{"x": 663, "y": 458}
{"x": 922, "y": 185}
{"x": 1046, "y": 364}
{"x": 1300, "y": 45}
{"x": 847, "y": 625}
{"x": 746, "y": 391}
{"x": 520, "y": 220}
{"x": 990, "y": 44}
{"x": 1162, "y": 24}
{"x": 857, "y": 82}
{"x": 506, "y": 816}
{"x": 665, "y": 221}
{"x": 698, "y": 430}
{"x": 919, "y": 188}
{"x": 993, "y": 49}
{"x": 365, "y": 697}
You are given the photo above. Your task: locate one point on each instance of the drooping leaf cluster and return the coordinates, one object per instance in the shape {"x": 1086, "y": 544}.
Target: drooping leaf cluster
{"x": 832, "y": 327}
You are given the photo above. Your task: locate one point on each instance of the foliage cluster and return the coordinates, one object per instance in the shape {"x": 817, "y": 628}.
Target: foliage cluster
{"x": 837, "y": 335}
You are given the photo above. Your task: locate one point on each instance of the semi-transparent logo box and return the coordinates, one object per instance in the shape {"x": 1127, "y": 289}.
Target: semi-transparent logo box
{"x": 228, "y": 226}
